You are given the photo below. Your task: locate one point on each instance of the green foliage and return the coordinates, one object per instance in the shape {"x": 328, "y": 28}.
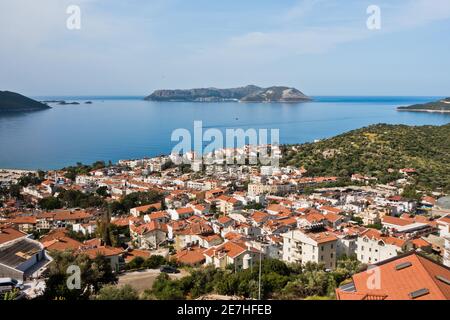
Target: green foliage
{"x": 112, "y": 292}
{"x": 50, "y": 203}
{"x": 102, "y": 191}
{"x": 29, "y": 179}
{"x": 154, "y": 262}
{"x": 136, "y": 199}
{"x": 373, "y": 150}
{"x": 94, "y": 274}
{"x": 278, "y": 280}
{"x": 75, "y": 199}
{"x": 80, "y": 169}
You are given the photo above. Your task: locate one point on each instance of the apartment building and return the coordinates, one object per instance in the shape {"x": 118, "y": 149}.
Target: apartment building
{"x": 301, "y": 246}
{"x": 373, "y": 246}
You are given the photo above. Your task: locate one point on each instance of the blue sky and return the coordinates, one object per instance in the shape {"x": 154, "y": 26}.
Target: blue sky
{"x": 322, "y": 47}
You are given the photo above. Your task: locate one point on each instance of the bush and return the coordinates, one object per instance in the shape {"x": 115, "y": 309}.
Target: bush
{"x": 154, "y": 262}
{"x": 112, "y": 292}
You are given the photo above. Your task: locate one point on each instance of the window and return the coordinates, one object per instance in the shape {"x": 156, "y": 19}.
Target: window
{"x": 331, "y": 256}
{"x": 332, "y": 246}
{"x": 321, "y": 258}
{"x": 321, "y": 248}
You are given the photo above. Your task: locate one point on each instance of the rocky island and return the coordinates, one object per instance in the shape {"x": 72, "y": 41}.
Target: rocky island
{"x": 249, "y": 93}
{"x": 14, "y": 102}
{"x": 436, "y": 106}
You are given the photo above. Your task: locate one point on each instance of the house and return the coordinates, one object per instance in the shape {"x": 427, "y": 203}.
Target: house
{"x": 85, "y": 228}
{"x": 192, "y": 256}
{"x": 374, "y": 246}
{"x": 227, "y": 204}
{"x": 410, "y": 276}
{"x": 181, "y": 213}
{"x": 158, "y": 216}
{"x": 232, "y": 252}
{"x": 113, "y": 255}
{"x": 20, "y": 256}
{"x": 407, "y": 227}
{"x": 302, "y": 246}
{"x": 57, "y": 240}
{"x": 139, "y": 211}
{"x": 24, "y": 223}
{"x": 148, "y": 235}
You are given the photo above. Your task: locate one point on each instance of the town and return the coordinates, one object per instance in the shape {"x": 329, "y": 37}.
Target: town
{"x": 157, "y": 222}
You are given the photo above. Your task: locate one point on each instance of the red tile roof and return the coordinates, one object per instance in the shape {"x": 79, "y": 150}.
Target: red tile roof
{"x": 417, "y": 273}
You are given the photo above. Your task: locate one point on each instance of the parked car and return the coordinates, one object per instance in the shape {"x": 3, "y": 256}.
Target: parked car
{"x": 9, "y": 284}
{"x": 169, "y": 269}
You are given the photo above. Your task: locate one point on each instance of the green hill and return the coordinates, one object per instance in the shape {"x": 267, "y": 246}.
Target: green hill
{"x": 375, "y": 149}
{"x": 436, "y": 106}
{"x": 11, "y": 101}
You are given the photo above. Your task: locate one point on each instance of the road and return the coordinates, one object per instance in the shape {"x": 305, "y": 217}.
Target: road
{"x": 143, "y": 280}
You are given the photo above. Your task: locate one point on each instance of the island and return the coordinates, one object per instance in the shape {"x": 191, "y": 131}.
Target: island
{"x": 436, "y": 106}
{"x": 250, "y": 93}
{"x": 14, "y": 102}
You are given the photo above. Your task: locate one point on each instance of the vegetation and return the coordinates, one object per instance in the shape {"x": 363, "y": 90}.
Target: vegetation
{"x": 441, "y": 105}
{"x": 152, "y": 262}
{"x": 374, "y": 150}
{"x": 278, "y": 281}
{"x": 134, "y": 200}
{"x": 94, "y": 274}
{"x": 112, "y": 292}
{"x": 11, "y": 101}
{"x": 81, "y": 169}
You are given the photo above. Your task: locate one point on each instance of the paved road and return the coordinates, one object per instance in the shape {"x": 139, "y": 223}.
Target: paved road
{"x": 142, "y": 280}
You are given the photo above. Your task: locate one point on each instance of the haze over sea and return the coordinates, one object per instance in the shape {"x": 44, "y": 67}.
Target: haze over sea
{"x": 114, "y": 128}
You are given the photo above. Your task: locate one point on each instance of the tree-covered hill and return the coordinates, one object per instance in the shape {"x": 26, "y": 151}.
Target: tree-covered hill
{"x": 376, "y": 149}
{"x": 11, "y": 101}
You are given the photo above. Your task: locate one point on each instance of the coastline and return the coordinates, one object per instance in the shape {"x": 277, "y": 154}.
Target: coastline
{"x": 425, "y": 110}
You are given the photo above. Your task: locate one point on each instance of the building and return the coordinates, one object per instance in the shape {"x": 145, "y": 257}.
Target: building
{"x": 149, "y": 235}
{"x": 373, "y": 246}
{"x": 301, "y": 246}
{"x": 20, "y": 256}
{"x": 410, "y": 276}
{"x": 231, "y": 252}
{"x": 447, "y": 252}
{"x": 139, "y": 211}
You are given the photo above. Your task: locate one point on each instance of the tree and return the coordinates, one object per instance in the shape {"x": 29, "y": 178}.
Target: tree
{"x": 94, "y": 274}
{"x": 136, "y": 263}
{"x": 50, "y": 203}
{"x": 112, "y": 292}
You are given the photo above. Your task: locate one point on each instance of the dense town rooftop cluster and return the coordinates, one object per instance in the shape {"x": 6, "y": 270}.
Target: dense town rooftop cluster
{"x": 221, "y": 215}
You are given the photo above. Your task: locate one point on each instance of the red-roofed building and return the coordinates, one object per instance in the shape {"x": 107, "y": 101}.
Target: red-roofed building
{"x": 407, "y": 277}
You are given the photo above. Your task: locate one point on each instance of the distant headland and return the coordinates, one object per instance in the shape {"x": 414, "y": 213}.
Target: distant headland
{"x": 436, "y": 106}
{"x": 248, "y": 93}
{"x": 14, "y": 102}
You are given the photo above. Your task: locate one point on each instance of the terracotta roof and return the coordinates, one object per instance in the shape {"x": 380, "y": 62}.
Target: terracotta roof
{"x": 396, "y": 221}
{"x": 133, "y": 253}
{"x": 9, "y": 234}
{"x": 145, "y": 208}
{"x": 375, "y": 234}
{"x": 24, "y": 220}
{"x": 102, "y": 251}
{"x": 190, "y": 256}
{"x": 400, "y": 278}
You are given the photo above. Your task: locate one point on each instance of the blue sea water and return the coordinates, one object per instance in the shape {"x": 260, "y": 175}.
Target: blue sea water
{"x": 114, "y": 128}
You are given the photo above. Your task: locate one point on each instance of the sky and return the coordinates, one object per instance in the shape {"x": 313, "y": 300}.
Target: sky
{"x": 132, "y": 47}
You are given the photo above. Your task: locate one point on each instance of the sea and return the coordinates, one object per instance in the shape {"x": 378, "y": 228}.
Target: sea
{"x": 114, "y": 128}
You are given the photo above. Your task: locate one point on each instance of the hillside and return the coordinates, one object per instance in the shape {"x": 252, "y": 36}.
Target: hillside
{"x": 375, "y": 149}
{"x": 11, "y": 102}
{"x": 249, "y": 93}
{"x": 436, "y": 106}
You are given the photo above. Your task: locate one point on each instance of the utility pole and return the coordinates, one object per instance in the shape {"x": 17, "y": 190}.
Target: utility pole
{"x": 259, "y": 280}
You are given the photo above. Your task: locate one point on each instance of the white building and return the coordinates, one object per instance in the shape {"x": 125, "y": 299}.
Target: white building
{"x": 301, "y": 247}
{"x": 373, "y": 246}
